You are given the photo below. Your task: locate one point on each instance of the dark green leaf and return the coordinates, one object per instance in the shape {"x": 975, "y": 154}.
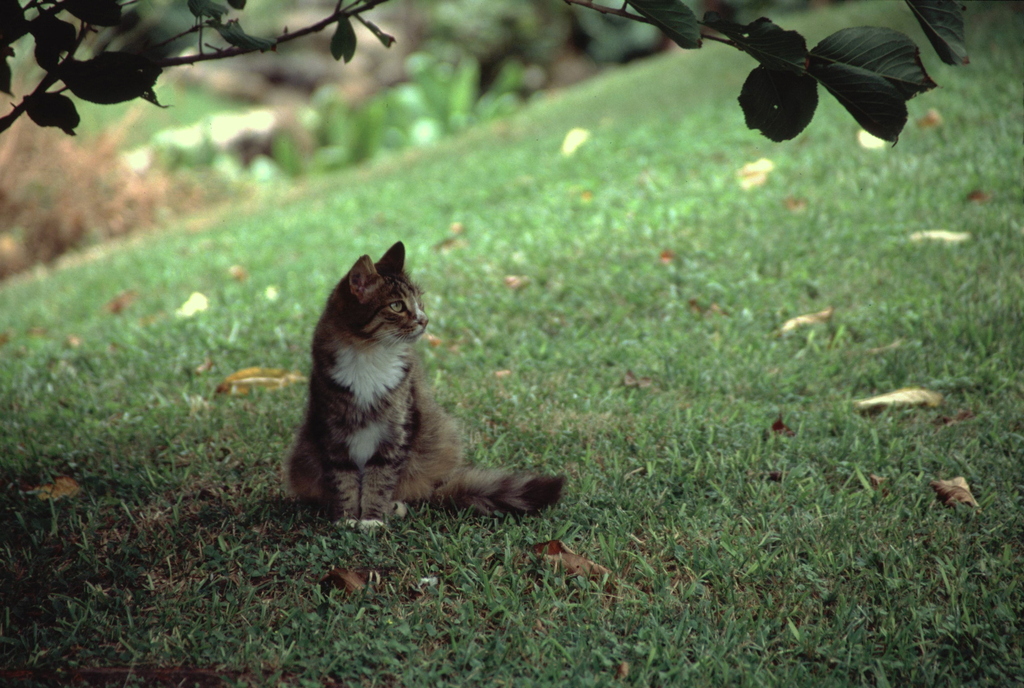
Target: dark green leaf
{"x": 149, "y": 95}
{"x": 780, "y": 104}
{"x": 773, "y": 47}
{"x": 206, "y": 8}
{"x": 13, "y": 24}
{"x": 111, "y": 77}
{"x": 943, "y": 23}
{"x": 53, "y": 110}
{"x": 53, "y": 37}
{"x": 871, "y": 99}
{"x": 237, "y": 4}
{"x": 676, "y": 20}
{"x": 95, "y": 12}
{"x": 233, "y": 34}
{"x": 5, "y": 77}
{"x": 343, "y": 42}
{"x": 387, "y": 39}
{"x": 885, "y": 52}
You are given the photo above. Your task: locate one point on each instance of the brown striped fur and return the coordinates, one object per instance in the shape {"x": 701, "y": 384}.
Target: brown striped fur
{"x": 373, "y": 435}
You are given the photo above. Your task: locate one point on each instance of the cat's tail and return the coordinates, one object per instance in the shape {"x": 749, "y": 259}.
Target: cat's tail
{"x": 488, "y": 490}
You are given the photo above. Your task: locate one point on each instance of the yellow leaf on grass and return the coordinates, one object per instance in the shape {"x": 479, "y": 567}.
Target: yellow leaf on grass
{"x": 272, "y": 378}
{"x": 348, "y": 580}
{"x": 942, "y": 235}
{"x": 573, "y": 140}
{"x": 808, "y": 319}
{"x": 561, "y": 557}
{"x": 196, "y": 303}
{"x": 62, "y": 487}
{"x": 907, "y": 396}
{"x": 931, "y": 119}
{"x": 754, "y": 173}
{"x": 952, "y": 492}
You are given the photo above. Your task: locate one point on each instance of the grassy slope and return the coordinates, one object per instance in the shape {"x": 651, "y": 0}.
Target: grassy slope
{"x": 182, "y": 550}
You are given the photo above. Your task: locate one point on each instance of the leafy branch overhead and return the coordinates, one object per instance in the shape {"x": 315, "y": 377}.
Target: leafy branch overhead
{"x": 871, "y": 71}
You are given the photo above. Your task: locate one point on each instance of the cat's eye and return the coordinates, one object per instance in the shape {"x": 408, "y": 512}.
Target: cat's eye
{"x": 397, "y": 306}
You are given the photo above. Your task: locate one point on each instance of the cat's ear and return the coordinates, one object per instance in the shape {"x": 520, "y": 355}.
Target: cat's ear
{"x": 363, "y": 279}
{"x": 393, "y": 262}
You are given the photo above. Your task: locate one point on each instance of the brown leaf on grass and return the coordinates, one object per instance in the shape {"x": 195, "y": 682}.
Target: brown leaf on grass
{"x": 979, "y": 196}
{"x": 780, "y": 428}
{"x": 348, "y": 580}
{"x": 952, "y": 492}
{"x": 121, "y": 301}
{"x": 450, "y": 244}
{"x": 631, "y": 380}
{"x": 500, "y": 374}
{"x": 4, "y": 338}
{"x": 795, "y": 205}
{"x": 807, "y": 319}
{"x": 775, "y": 476}
{"x": 875, "y": 480}
{"x": 433, "y": 340}
{"x": 931, "y": 119}
{"x": 667, "y": 256}
{"x": 271, "y": 378}
{"x": 62, "y": 486}
{"x": 561, "y": 557}
{"x": 713, "y": 309}
{"x": 895, "y": 344}
{"x": 457, "y": 228}
{"x": 960, "y": 417}
{"x": 516, "y": 281}
{"x": 907, "y": 396}
{"x": 204, "y": 367}
{"x": 239, "y": 273}
{"x": 74, "y": 341}
{"x": 622, "y": 671}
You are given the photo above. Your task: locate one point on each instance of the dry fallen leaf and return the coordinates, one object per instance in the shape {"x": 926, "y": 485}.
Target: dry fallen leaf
{"x": 205, "y": 366}
{"x": 796, "y": 205}
{"x": 667, "y": 256}
{"x": 196, "y": 303}
{"x": 62, "y": 486}
{"x": 960, "y": 417}
{"x": 238, "y": 272}
{"x": 121, "y": 301}
{"x": 272, "y": 378}
{"x": 457, "y": 228}
{"x": 74, "y": 341}
{"x": 573, "y": 140}
{"x": 942, "y": 235}
{"x": 907, "y": 396}
{"x": 754, "y": 173}
{"x": 870, "y": 142}
{"x": 502, "y": 373}
{"x": 4, "y": 338}
{"x": 432, "y": 340}
{"x": 875, "y": 480}
{"x": 775, "y": 476}
{"x": 622, "y": 671}
{"x": 450, "y": 244}
{"x": 931, "y": 119}
{"x": 780, "y": 428}
{"x": 562, "y": 557}
{"x": 516, "y": 281}
{"x": 348, "y": 580}
{"x": 895, "y": 344}
{"x": 808, "y": 319}
{"x": 979, "y": 196}
{"x": 951, "y": 492}
{"x": 631, "y": 380}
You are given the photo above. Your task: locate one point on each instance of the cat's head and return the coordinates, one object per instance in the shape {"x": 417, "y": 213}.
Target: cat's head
{"x": 382, "y": 304}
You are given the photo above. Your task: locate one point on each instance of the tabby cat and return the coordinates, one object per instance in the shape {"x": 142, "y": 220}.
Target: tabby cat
{"x": 373, "y": 437}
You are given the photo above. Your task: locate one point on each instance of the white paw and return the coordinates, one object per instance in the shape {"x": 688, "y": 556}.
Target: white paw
{"x": 364, "y": 524}
{"x": 401, "y": 510}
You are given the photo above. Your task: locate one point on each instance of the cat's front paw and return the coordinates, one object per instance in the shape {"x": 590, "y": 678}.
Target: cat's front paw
{"x": 364, "y": 523}
{"x": 400, "y": 510}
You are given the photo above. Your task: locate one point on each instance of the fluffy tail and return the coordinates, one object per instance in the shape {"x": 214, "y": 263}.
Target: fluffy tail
{"x": 487, "y": 490}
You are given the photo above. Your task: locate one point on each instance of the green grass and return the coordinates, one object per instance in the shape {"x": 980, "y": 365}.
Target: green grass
{"x": 181, "y": 549}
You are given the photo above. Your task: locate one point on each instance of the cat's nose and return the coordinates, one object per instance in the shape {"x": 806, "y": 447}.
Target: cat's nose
{"x": 422, "y": 321}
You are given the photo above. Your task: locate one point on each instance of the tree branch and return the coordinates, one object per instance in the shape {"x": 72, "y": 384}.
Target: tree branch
{"x": 608, "y": 10}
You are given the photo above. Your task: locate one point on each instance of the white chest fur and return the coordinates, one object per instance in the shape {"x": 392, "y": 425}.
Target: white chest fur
{"x": 362, "y": 445}
{"x": 369, "y": 373}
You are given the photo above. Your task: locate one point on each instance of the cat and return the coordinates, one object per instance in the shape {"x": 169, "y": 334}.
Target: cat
{"x": 373, "y": 437}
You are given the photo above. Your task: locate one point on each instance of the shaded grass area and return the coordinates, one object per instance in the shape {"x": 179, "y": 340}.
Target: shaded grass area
{"x": 739, "y": 556}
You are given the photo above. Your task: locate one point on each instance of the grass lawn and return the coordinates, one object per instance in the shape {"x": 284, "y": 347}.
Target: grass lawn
{"x": 738, "y": 555}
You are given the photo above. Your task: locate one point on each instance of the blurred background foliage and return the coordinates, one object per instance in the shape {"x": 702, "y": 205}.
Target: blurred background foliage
{"x": 272, "y": 117}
